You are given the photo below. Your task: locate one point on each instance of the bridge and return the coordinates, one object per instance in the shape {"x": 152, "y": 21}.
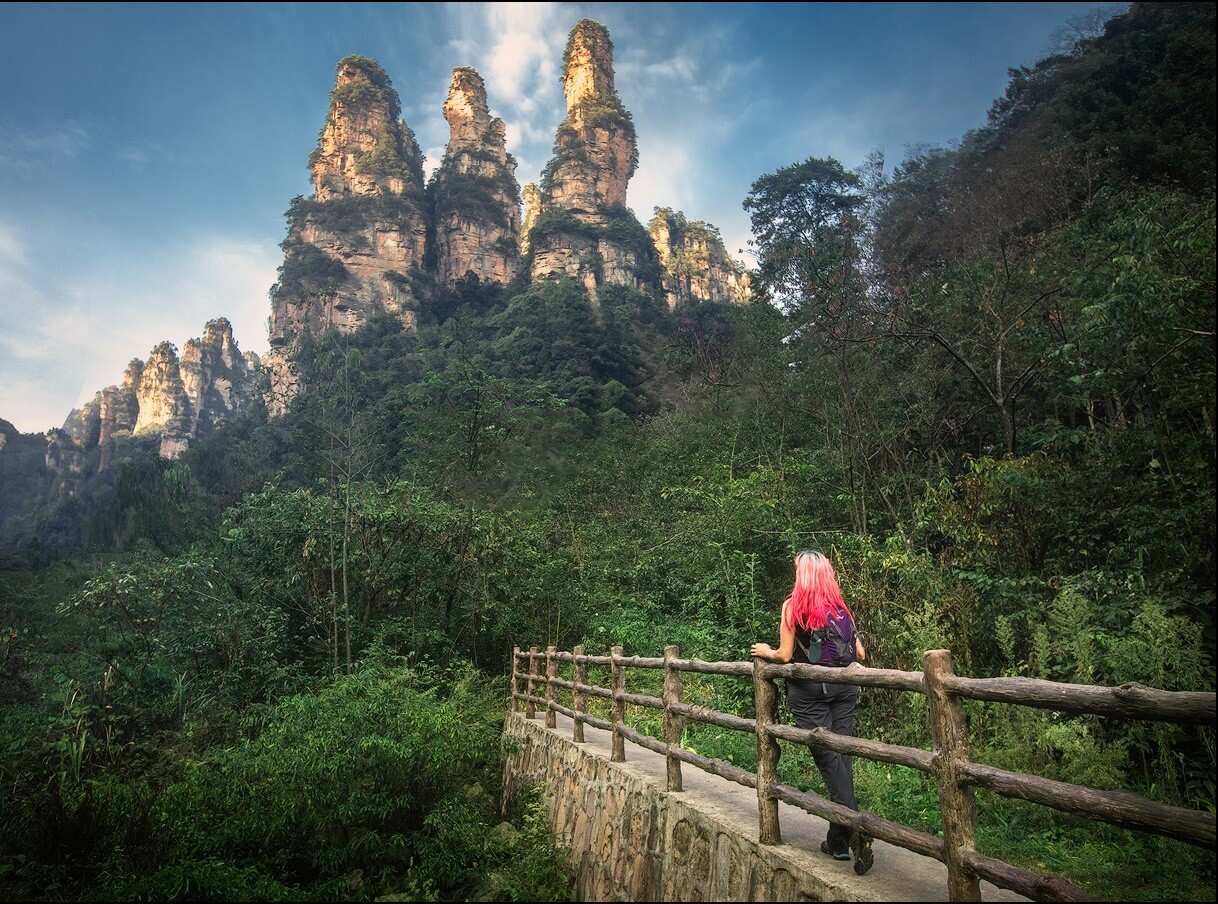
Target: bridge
{"x": 640, "y": 828}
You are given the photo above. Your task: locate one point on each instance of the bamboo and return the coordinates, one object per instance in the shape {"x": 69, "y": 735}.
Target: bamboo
{"x": 551, "y": 673}
{"x": 956, "y": 803}
{"x": 618, "y": 753}
{"x": 673, "y": 725}
{"x": 578, "y": 700}
{"x": 765, "y": 701}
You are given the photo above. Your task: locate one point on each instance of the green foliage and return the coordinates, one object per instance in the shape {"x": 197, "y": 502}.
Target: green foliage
{"x": 307, "y": 270}
{"x": 380, "y": 782}
{"x": 1138, "y": 97}
{"x": 371, "y": 84}
{"x": 470, "y": 194}
{"x": 620, "y": 227}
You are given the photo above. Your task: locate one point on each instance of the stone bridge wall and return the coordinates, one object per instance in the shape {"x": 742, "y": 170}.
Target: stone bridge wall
{"x": 631, "y": 840}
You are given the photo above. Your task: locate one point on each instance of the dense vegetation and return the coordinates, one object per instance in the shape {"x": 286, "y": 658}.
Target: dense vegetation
{"x": 983, "y": 382}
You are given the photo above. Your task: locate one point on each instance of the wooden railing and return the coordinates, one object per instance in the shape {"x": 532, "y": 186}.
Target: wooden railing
{"x": 955, "y": 774}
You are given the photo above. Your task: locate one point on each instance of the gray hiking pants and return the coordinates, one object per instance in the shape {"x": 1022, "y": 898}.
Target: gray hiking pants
{"x": 831, "y": 706}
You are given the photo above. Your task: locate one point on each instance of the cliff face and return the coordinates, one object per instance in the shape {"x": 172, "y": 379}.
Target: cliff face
{"x": 532, "y": 210}
{"x": 169, "y": 398}
{"x": 356, "y": 247}
{"x": 477, "y": 197}
{"x": 583, "y": 229}
{"x": 696, "y": 265}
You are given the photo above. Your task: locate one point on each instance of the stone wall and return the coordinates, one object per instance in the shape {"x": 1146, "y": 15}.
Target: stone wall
{"x": 631, "y": 840}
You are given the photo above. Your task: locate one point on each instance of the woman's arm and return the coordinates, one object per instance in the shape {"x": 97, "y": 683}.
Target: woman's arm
{"x": 860, "y": 651}
{"x": 786, "y": 643}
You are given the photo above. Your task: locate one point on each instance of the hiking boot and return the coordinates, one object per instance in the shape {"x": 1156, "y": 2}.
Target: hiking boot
{"x": 836, "y": 855}
{"x": 860, "y": 844}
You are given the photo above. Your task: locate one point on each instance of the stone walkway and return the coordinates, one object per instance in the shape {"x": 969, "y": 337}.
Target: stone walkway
{"x": 898, "y": 874}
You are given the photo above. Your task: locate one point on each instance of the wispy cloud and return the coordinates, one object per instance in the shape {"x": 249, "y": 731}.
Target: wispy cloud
{"x": 26, "y": 149}
{"x": 518, "y": 49}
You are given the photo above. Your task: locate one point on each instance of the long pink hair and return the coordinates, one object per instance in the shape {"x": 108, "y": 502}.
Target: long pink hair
{"x": 815, "y": 595}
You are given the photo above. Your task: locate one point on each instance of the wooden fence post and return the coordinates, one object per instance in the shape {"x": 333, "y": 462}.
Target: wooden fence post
{"x": 618, "y": 754}
{"x": 530, "y": 711}
{"x": 551, "y": 674}
{"x": 673, "y": 724}
{"x": 765, "y": 701}
{"x": 956, "y": 802}
{"x": 577, "y": 697}
{"x": 515, "y": 704}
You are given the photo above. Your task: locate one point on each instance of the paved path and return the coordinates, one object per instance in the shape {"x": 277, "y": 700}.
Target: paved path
{"x": 898, "y": 874}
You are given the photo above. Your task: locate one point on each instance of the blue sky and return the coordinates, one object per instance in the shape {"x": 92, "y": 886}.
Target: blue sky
{"x": 147, "y": 153}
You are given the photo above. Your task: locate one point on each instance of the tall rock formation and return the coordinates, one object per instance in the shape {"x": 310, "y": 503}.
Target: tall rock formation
{"x": 584, "y": 230}
{"x": 477, "y": 197}
{"x": 532, "y": 210}
{"x": 169, "y": 399}
{"x": 696, "y": 265}
{"x": 357, "y": 247}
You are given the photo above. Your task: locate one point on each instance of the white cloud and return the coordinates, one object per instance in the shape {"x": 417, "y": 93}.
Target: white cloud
{"x": 431, "y": 160}
{"x": 517, "y": 47}
{"x": 64, "y": 338}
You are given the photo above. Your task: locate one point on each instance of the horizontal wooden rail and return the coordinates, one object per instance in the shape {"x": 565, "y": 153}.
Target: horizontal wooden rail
{"x": 913, "y": 757}
{"x": 1121, "y": 808}
{"x": 855, "y": 674}
{"x": 641, "y": 662}
{"x": 956, "y": 775}
{"x": 1127, "y": 701}
{"x": 639, "y": 700}
{"x": 740, "y": 669}
{"x": 602, "y": 724}
{"x": 875, "y": 826}
{"x": 579, "y": 657}
{"x": 1022, "y": 881}
{"x": 714, "y": 717}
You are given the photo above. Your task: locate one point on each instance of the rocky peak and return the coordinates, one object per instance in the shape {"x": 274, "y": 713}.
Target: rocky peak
{"x": 365, "y": 148}
{"x": 595, "y": 150}
{"x": 532, "y": 210}
{"x": 131, "y": 376}
{"x": 477, "y": 197}
{"x": 160, "y": 395}
{"x": 584, "y": 229}
{"x": 588, "y": 66}
{"x": 696, "y": 265}
{"x": 357, "y": 246}
{"x": 218, "y": 335}
{"x": 466, "y": 110}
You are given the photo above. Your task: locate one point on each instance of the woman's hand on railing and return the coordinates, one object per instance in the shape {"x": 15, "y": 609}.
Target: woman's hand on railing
{"x": 764, "y": 650}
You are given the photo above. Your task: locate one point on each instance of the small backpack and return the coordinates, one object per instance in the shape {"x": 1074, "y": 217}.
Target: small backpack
{"x": 838, "y": 633}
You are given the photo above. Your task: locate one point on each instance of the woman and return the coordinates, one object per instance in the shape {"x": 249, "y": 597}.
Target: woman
{"x": 818, "y": 628}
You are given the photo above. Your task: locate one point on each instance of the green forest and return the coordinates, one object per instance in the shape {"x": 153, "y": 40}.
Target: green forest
{"x": 980, "y": 379}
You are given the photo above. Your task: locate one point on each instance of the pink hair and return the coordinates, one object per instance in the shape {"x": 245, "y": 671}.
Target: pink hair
{"x": 815, "y": 595}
